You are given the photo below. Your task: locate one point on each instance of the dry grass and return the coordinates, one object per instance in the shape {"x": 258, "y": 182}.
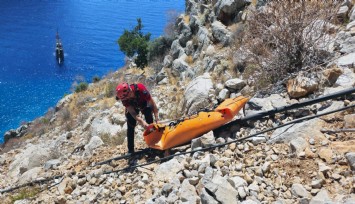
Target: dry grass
{"x": 254, "y": 2}
{"x": 24, "y": 193}
{"x": 110, "y": 89}
{"x": 285, "y": 37}
{"x": 186, "y": 19}
{"x": 189, "y": 60}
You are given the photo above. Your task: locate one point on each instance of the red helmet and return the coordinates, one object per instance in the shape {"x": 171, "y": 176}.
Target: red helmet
{"x": 122, "y": 90}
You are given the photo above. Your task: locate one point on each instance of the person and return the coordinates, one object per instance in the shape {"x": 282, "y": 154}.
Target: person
{"x": 136, "y": 98}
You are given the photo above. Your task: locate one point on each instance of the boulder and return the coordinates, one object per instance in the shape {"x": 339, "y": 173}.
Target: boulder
{"x": 188, "y": 193}
{"x": 222, "y": 191}
{"x": 103, "y": 125}
{"x": 331, "y": 75}
{"x": 207, "y": 198}
{"x": 32, "y": 156}
{"x": 227, "y": 10}
{"x": 179, "y": 66}
{"x": 343, "y": 12}
{"x": 268, "y": 103}
{"x": 196, "y": 94}
{"x": 176, "y": 49}
{"x": 321, "y": 197}
{"x": 118, "y": 119}
{"x": 298, "y": 190}
{"x": 347, "y": 60}
{"x": 235, "y": 84}
{"x": 347, "y": 79}
{"x": 301, "y": 86}
{"x": 94, "y": 143}
{"x": 326, "y": 154}
{"x": 30, "y": 175}
{"x": 168, "y": 60}
{"x": 237, "y": 181}
{"x": 168, "y": 170}
{"x": 185, "y": 33}
{"x": 209, "y": 64}
{"x": 52, "y": 164}
{"x": 203, "y": 39}
{"x": 308, "y": 129}
{"x": 221, "y": 34}
{"x": 351, "y": 159}
{"x": 223, "y": 94}
{"x": 352, "y": 15}
{"x": 350, "y": 25}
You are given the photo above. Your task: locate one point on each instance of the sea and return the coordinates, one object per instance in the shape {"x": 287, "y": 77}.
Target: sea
{"x": 31, "y": 81}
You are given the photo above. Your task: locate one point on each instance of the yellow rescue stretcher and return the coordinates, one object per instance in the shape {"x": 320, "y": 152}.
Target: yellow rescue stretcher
{"x": 162, "y": 137}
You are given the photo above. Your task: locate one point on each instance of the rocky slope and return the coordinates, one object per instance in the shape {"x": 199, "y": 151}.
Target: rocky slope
{"x": 306, "y": 162}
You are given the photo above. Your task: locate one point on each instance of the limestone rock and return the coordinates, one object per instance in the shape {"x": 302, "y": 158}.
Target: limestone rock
{"x": 223, "y": 192}
{"x": 308, "y": 129}
{"x": 196, "y": 93}
{"x": 301, "y": 86}
{"x": 94, "y": 143}
{"x": 351, "y": 159}
{"x": 188, "y": 193}
{"x": 168, "y": 170}
{"x": 299, "y": 191}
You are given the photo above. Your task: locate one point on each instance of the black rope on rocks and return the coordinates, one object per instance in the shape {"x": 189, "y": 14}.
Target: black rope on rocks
{"x": 229, "y": 127}
{"x": 189, "y": 152}
{"x": 230, "y": 142}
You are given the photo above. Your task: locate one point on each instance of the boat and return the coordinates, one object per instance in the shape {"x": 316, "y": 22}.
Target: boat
{"x": 163, "y": 137}
{"x": 59, "y": 51}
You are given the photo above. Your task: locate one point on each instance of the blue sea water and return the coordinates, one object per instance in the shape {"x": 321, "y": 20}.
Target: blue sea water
{"x": 30, "y": 79}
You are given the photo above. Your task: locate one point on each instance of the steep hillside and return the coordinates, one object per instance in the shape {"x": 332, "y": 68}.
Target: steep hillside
{"x": 213, "y": 56}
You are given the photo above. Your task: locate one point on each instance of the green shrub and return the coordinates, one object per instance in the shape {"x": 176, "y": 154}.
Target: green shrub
{"x": 158, "y": 47}
{"x": 24, "y": 194}
{"x": 96, "y": 79}
{"x": 82, "y": 86}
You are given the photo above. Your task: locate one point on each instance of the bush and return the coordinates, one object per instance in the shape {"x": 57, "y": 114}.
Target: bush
{"x": 64, "y": 114}
{"x": 134, "y": 42}
{"x": 158, "y": 48}
{"x": 25, "y": 194}
{"x": 96, "y": 79}
{"x": 82, "y": 86}
{"x": 288, "y": 36}
{"x": 110, "y": 89}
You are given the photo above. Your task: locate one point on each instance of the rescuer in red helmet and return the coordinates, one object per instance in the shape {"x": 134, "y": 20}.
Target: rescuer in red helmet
{"x": 136, "y": 98}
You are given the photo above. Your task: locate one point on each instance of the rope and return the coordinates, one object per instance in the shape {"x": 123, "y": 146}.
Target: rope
{"x": 189, "y": 152}
{"x": 260, "y": 115}
{"x": 230, "y": 142}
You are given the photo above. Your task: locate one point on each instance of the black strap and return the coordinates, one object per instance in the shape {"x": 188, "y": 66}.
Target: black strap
{"x": 136, "y": 101}
{"x": 136, "y": 90}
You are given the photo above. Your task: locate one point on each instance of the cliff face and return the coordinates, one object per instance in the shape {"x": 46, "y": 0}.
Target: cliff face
{"x": 308, "y": 162}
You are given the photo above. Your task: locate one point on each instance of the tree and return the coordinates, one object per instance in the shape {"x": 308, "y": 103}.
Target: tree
{"x": 134, "y": 42}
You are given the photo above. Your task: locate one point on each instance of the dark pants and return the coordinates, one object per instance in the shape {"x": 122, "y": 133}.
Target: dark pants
{"x": 131, "y": 124}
